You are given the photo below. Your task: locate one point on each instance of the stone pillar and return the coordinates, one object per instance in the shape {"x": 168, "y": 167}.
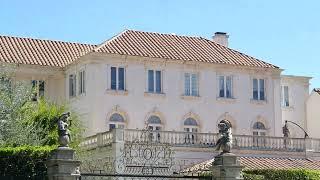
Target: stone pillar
{"x": 118, "y": 150}
{"x": 226, "y": 167}
{"x": 62, "y": 166}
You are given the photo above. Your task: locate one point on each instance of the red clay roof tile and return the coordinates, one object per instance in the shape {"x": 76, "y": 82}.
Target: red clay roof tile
{"x": 263, "y": 163}
{"x": 129, "y": 42}
{"x": 168, "y": 46}
{"x": 40, "y": 52}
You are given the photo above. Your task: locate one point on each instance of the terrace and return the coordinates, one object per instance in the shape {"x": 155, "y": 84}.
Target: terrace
{"x": 207, "y": 140}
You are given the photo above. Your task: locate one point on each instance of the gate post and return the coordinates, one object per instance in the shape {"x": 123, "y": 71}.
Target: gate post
{"x": 118, "y": 150}
{"x": 62, "y": 166}
{"x": 226, "y": 167}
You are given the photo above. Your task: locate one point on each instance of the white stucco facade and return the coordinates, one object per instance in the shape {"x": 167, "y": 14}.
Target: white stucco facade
{"x": 298, "y": 91}
{"x": 136, "y": 105}
{"x": 313, "y": 114}
{"x": 259, "y": 97}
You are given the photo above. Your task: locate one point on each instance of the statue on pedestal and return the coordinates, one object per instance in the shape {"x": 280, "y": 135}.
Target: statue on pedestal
{"x": 63, "y": 131}
{"x": 224, "y": 143}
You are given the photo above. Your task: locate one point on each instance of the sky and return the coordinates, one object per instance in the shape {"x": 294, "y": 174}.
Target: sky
{"x": 285, "y": 33}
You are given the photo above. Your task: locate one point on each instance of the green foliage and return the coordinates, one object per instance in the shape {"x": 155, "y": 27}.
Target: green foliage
{"x": 27, "y": 161}
{"x": 45, "y": 116}
{"x": 14, "y": 96}
{"x": 26, "y": 122}
{"x": 252, "y": 177}
{"x": 291, "y": 174}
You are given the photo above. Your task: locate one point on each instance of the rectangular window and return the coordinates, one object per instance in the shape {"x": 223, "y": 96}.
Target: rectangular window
{"x": 191, "y": 84}
{"x": 225, "y": 86}
{"x": 187, "y": 84}
{"x": 158, "y": 82}
{"x": 72, "y": 85}
{"x": 150, "y": 81}
{"x": 154, "y": 81}
{"x": 82, "y": 78}
{"x": 41, "y": 88}
{"x": 285, "y": 96}
{"x": 120, "y": 78}
{"x": 113, "y": 78}
{"x": 117, "y": 78}
{"x": 194, "y": 85}
{"x": 261, "y": 89}
{"x": 258, "y": 89}
{"x": 221, "y": 86}
{"x": 38, "y": 88}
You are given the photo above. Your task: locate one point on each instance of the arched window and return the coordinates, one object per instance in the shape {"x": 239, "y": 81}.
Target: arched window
{"x": 259, "y": 129}
{"x": 154, "y": 123}
{"x": 190, "y": 122}
{"x": 116, "y": 121}
{"x": 191, "y": 127}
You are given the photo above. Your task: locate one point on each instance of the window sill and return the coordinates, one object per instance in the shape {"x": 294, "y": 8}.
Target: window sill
{"x": 117, "y": 92}
{"x": 258, "y": 102}
{"x": 154, "y": 94}
{"x": 190, "y": 97}
{"x": 226, "y": 100}
{"x": 287, "y": 108}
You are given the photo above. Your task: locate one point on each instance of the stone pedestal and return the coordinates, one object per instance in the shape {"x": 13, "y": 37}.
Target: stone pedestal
{"x": 226, "y": 167}
{"x": 62, "y": 166}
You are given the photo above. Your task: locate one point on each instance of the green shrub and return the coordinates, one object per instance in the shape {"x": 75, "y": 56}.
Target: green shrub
{"x": 290, "y": 174}
{"x": 27, "y": 161}
{"x": 252, "y": 177}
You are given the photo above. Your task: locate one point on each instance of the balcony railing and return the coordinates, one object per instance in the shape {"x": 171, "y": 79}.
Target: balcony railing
{"x": 207, "y": 140}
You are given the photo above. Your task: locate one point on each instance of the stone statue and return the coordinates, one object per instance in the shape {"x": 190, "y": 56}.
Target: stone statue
{"x": 63, "y": 131}
{"x": 224, "y": 143}
{"x": 285, "y": 130}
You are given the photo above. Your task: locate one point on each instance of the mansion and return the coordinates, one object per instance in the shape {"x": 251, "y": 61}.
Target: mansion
{"x": 164, "y": 81}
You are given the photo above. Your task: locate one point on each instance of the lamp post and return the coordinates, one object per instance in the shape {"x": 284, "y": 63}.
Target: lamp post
{"x": 305, "y": 133}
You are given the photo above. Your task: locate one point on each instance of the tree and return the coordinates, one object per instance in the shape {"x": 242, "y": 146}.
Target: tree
{"x": 25, "y": 122}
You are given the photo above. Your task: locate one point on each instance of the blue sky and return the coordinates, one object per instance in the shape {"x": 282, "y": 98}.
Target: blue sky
{"x": 285, "y": 33}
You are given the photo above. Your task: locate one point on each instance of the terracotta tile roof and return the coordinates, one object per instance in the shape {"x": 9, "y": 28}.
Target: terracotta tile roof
{"x": 168, "y": 46}
{"x": 317, "y": 90}
{"x": 263, "y": 163}
{"x": 40, "y": 52}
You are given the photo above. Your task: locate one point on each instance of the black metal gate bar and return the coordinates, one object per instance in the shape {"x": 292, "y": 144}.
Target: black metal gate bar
{"x": 146, "y": 176}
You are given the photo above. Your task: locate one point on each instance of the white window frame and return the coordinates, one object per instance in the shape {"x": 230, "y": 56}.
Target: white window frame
{"x": 117, "y": 78}
{"x": 264, "y": 89}
{"x": 190, "y": 84}
{"x": 283, "y": 99}
{"x": 154, "y": 81}
{"x": 82, "y": 82}
{"x": 74, "y": 89}
{"x": 225, "y": 86}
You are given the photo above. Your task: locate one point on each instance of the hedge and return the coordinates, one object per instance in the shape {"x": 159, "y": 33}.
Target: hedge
{"x": 290, "y": 174}
{"x": 253, "y": 177}
{"x": 26, "y": 161}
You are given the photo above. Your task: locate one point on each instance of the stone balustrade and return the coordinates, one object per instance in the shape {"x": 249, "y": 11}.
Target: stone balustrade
{"x": 207, "y": 140}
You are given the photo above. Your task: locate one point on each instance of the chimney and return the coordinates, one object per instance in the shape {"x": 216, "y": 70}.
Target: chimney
{"x": 221, "y": 38}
